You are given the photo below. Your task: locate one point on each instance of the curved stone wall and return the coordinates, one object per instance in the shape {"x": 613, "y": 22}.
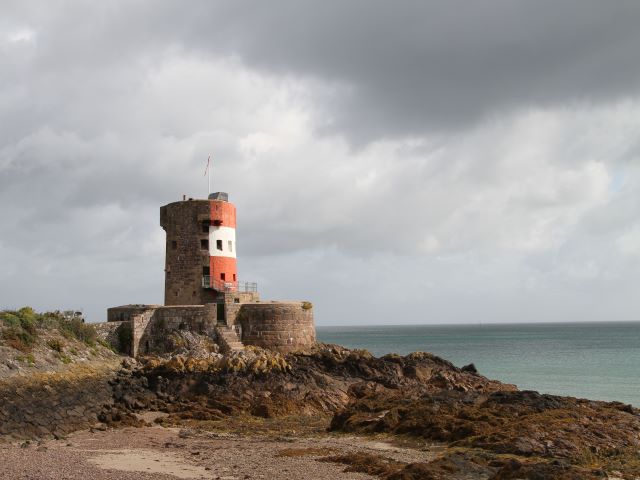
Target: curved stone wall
{"x": 282, "y": 326}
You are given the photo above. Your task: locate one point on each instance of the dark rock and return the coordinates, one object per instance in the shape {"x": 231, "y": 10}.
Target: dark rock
{"x": 471, "y": 368}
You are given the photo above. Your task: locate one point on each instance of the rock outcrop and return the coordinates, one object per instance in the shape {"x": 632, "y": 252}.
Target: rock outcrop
{"x": 56, "y": 403}
{"x": 511, "y": 434}
{"x": 319, "y": 381}
{"x": 486, "y": 429}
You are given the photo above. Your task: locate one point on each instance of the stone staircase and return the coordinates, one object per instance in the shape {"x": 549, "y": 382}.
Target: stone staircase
{"x": 228, "y": 339}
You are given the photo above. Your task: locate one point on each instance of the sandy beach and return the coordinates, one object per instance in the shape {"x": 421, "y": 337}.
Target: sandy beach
{"x": 170, "y": 453}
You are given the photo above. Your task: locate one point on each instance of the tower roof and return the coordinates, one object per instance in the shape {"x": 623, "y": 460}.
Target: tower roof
{"x": 223, "y": 196}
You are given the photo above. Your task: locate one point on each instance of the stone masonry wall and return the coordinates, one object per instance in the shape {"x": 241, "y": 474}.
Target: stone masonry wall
{"x": 139, "y": 326}
{"x": 193, "y": 318}
{"x": 282, "y": 326}
{"x": 110, "y": 333}
{"x": 233, "y": 301}
{"x": 152, "y": 324}
{"x": 127, "y": 312}
{"x": 185, "y": 257}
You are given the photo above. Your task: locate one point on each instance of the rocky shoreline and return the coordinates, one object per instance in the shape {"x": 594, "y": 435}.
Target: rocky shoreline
{"x": 483, "y": 429}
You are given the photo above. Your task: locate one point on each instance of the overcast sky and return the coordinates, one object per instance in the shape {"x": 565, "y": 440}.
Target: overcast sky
{"x": 392, "y": 162}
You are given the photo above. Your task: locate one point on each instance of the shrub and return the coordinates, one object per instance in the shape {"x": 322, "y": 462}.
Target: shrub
{"x": 50, "y": 320}
{"x": 27, "y": 317}
{"x": 307, "y": 305}
{"x": 10, "y": 319}
{"x": 18, "y": 338}
{"x": 30, "y": 359}
{"x": 55, "y": 344}
{"x": 20, "y": 328}
{"x": 66, "y": 359}
{"x": 76, "y": 328}
{"x": 24, "y": 318}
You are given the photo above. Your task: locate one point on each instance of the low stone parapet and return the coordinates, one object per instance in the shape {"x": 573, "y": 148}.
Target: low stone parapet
{"x": 282, "y": 326}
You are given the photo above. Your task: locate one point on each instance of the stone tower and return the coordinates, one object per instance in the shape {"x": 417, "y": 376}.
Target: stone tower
{"x": 202, "y": 292}
{"x": 200, "y": 263}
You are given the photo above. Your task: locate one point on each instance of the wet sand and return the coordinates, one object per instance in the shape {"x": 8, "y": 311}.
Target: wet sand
{"x": 170, "y": 453}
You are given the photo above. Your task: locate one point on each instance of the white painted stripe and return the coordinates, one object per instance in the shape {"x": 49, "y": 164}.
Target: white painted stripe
{"x": 224, "y": 237}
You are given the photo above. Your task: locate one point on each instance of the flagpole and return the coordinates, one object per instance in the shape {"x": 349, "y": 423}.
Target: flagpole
{"x": 207, "y": 172}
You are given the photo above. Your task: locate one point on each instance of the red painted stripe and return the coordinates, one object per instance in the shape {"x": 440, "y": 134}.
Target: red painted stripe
{"x": 226, "y": 265}
{"x": 224, "y": 212}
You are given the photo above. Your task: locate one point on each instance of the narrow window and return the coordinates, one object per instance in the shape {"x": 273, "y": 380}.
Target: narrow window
{"x": 231, "y": 245}
{"x": 234, "y": 277}
{"x": 206, "y": 271}
{"x": 174, "y": 244}
{"x": 205, "y": 226}
{"x": 204, "y": 244}
{"x": 219, "y": 244}
{"x": 222, "y": 276}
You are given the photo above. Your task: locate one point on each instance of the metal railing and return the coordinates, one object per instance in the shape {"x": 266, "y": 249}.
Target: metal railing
{"x": 222, "y": 286}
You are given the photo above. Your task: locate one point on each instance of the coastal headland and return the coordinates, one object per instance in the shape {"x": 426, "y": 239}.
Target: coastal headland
{"x": 79, "y": 409}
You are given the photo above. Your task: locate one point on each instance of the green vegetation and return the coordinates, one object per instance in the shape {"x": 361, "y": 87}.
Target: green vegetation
{"x": 30, "y": 359}
{"x": 76, "y": 328}
{"x": 307, "y": 305}
{"x": 55, "y": 344}
{"x": 66, "y": 359}
{"x": 19, "y": 328}
{"x": 105, "y": 344}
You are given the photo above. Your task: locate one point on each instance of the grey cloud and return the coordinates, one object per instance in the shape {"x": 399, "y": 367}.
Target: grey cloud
{"x": 412, "y": 67}
{"x": 391, "y": 70}
{"x": 495, "y": 168}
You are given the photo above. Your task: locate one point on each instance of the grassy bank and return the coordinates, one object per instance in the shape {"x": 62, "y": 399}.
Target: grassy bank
{"x": 21, "y": 329}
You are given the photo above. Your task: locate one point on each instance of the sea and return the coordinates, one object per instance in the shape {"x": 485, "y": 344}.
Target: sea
{"x": 599, "y": 361}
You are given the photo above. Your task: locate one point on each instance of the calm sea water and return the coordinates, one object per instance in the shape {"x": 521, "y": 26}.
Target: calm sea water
{"x": 600, "y": 361}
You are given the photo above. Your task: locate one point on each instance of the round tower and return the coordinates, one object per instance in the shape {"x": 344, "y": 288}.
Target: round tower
{"x": 200, "y": 263}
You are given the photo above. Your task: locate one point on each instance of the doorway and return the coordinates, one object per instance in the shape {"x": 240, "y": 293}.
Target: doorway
{"x": 221, "y": 318}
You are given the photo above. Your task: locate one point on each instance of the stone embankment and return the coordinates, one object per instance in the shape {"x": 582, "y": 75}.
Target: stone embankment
{"x": 55, "y": 403}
